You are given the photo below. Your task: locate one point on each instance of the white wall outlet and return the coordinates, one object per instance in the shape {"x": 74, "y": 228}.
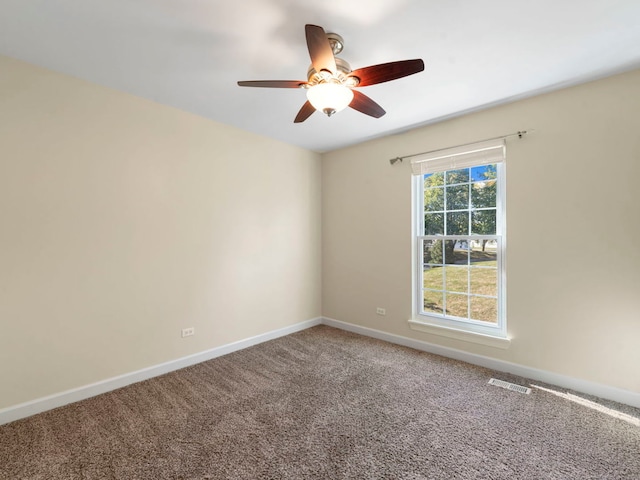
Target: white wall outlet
{"x": 187, "y": 332}
{"x": 381, "y": 311}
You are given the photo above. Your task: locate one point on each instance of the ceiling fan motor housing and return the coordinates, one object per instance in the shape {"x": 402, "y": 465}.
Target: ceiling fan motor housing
{"x": 336, "y": 42}
{"x": 341, "y": 76}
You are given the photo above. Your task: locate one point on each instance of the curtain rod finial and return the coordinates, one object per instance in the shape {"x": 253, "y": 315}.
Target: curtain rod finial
{"x": 393, "y": 161}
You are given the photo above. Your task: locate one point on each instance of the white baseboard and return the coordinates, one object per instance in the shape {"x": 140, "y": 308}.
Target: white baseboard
{"x": 43, "y": 404}
{"x": 603, "y": 391}
{"x": 50, "y": 402}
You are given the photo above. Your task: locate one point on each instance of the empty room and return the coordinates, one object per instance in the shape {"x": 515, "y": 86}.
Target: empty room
{"x": 278, "y": 239}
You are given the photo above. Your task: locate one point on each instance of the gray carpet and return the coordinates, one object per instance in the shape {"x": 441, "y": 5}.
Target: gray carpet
{"x": 323, "y": 404}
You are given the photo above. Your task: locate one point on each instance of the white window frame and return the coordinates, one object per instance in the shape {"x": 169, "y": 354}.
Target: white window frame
{"x": 440, "y": 324}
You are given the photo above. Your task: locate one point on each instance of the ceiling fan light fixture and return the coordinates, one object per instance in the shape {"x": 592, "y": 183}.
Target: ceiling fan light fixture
{"x": 331, "y": 82}
{"x": 329, "y": 97}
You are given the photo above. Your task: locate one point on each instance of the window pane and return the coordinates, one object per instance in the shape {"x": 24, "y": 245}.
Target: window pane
{"x": 484, "y": 281}
{"x": 485, "y": 309}
{"x": 457, "y": 279}
{"x": 457, "y": 305}
{"x": 433, "y": 277}
{"x": 482, "y": 251}
{"x": 458, "y": 197}
{"x": 483, "y": 222}
{"x": 461, "y": 250}
{"x": 432, "y": 251}
{"x": 433, "y": 179}
{"x": 480, "y": 172}
{"x": 432, "y": 302}
{"x": 448, "y": 253}
{"x": 484, "y": 172}
{"x": 458, "y": 223}
{"x": 434, "y": 223}
{"x": 457, "y": 176}
{"x": 483, "y": 194}
{"x": 433, "y": 199}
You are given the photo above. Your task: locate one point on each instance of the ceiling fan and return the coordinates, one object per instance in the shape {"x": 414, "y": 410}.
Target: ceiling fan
{"x": 330, "y": 81}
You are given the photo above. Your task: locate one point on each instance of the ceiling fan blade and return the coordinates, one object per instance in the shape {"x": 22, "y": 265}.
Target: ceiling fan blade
{"x": 364, "y": 104}
{"x": 273, "y": 83}
{"x": 320, "y": 50}
{"x": 305, "y": 112}
{"x": 385, "y": 72}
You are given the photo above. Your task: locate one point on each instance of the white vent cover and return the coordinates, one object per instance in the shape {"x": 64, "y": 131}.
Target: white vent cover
{"x": 509, "y": 386}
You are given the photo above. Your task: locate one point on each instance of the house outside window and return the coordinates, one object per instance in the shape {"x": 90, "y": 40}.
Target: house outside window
{"x": 459, "y": 206}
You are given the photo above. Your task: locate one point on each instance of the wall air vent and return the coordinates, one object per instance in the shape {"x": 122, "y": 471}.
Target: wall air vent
{"x": 509, "y": 386}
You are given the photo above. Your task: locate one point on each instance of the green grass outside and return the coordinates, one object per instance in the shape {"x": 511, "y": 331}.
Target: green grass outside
{"x": 478, "y": 278}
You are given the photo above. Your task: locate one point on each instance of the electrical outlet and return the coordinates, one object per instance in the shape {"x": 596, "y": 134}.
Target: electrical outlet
{"x": 381, "y": 311}
{"x": 187, "y": 332}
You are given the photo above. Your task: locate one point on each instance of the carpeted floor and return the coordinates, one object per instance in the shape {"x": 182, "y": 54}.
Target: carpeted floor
{"x": 324, "y": 404}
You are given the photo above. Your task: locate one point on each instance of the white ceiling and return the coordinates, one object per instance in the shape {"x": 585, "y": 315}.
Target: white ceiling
{"x": 190, "y": 53}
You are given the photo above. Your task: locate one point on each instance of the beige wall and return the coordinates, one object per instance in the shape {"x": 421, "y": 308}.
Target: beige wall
{"x": 573, "y": 225}
{"x": 123, "y": 221}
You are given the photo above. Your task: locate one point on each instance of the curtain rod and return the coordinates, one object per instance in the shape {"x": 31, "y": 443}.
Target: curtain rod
{"x": 518, "y": 134}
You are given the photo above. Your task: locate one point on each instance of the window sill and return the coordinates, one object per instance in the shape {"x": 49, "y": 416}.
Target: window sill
{"x": 480, "y": 338}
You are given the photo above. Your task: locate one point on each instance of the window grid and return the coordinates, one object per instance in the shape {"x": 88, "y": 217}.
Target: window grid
{"x": 470, "y": 268}
{"x": 450, "y": 199}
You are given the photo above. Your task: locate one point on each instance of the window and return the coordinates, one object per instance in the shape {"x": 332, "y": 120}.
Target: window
{"x": 459, "y": 225}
